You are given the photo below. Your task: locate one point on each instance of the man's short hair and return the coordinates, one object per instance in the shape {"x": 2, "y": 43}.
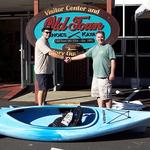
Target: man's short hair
{"x": 101, "y": 32}
{"x": 47, "y": 28}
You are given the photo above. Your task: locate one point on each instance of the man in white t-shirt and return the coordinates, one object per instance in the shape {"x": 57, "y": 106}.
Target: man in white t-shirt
{"x": 43, "y": 64}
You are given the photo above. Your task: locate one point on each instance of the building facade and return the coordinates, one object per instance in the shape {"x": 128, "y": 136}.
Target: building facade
{"x": 132, "y": 48}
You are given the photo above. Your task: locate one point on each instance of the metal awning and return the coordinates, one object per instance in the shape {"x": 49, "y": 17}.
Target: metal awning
{"x": 143, "y": 11}
{"x": 145, "y": 15}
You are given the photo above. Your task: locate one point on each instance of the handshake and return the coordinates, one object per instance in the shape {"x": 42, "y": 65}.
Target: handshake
{"x": 67, "y": 59}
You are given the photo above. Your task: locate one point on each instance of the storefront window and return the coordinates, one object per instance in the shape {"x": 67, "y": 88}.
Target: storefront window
{"x": 117, "y": 13}
{"x": 130, "y": 46}
{"x": 143, "y": 66}
{"x": 130, "y": 20}
{"x": 144, "y": 47}
{"x": 119, "y": 66}
{"x": 117, "y": 47}
{"x": 143, "y": 27}
{"x": 130, "y": 69}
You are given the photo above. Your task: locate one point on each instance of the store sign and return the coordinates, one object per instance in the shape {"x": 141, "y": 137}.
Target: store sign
{"x": 74, "y": 27}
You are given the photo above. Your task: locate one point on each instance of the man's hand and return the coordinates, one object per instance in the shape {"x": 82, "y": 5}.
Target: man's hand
{"x": 67, "y": 59}
{"x": 111, "y": 77}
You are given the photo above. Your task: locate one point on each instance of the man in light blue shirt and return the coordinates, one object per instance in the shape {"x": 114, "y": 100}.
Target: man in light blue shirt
{"x": 104, "y": 65}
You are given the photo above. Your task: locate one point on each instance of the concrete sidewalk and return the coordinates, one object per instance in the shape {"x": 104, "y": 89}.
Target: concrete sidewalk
{"x": 58, "y": 97}
{"x": 77, "y": 97}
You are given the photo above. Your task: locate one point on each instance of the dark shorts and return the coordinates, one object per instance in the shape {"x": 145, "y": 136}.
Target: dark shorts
{"x": 45, "y": 81}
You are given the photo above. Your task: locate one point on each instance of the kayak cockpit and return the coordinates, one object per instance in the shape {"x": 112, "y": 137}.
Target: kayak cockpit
{"x": 43, "y": 116}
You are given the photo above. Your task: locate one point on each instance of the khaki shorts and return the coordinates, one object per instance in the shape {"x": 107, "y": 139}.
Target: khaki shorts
{"x": 101, "y": 88}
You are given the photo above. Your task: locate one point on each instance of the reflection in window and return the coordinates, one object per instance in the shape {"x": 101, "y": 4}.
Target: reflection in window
{"x": 130, "y": 69}
{"x": 143, "y": 27}
{"x": 118, "y": 15}
{"x": 143, "y": 66}
{"x": 130, "y": 46}
{"x": 119, "y": 67}
{"x": 129, "y": 20}
{"x": 117, "y": 47}
{"x": 144, "y": 46}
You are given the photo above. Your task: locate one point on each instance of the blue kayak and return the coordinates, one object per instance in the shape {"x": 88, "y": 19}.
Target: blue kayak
{"x": 32, "y": 122}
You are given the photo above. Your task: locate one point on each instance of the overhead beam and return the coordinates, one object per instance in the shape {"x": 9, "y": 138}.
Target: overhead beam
{"x": 109, "y": 6}
{"x": 36, "y": 11}
{"x": 36, "y": 7}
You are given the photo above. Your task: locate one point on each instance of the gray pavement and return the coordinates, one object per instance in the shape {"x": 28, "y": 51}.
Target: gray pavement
{"x": 81, "y": 97}
{"x": 55, "y": 97}
{"x": 62, "y": 96}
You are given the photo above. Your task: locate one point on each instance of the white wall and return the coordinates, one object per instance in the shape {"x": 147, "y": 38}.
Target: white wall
{"x": 128, "y": 2}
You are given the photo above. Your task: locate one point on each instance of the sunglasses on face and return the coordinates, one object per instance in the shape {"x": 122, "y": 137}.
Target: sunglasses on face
{"x": 48, "y": 32}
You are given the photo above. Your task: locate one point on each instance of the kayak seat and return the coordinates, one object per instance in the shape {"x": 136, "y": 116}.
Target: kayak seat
{"x": 76, "y": 118}
{"x": 80, "y": 118}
